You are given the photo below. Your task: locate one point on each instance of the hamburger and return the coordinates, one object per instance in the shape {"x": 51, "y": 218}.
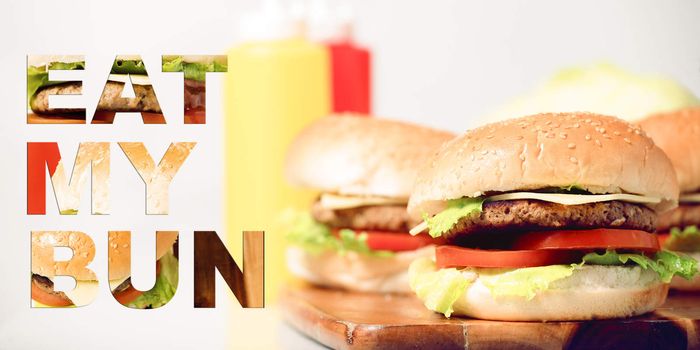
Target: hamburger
{"x": 355, "y": 236}
{"x": 39, "y": 87}
{"x": 44, "y": 269}
{"x": 546, "y": 217}
{"x": 678, "y": 133}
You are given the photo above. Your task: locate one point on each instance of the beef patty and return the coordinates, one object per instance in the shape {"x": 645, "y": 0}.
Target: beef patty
{"x": 46, "y": 285}
{"x": 371, "y": 217}
{"x": 684, "y": 215}
{"x": 526, "y": 214}
{"x": 145, "y": 100}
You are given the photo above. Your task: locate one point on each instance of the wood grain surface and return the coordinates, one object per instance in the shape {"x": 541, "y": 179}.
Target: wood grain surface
{"x": 347, "y": 320}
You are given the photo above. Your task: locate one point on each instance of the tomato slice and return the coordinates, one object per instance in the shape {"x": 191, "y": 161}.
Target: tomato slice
{"x": 663, "y": 237}
{"x": 396, "y": 241}
{"x": 41, "y": 296}
{"x": 127, "y": 295}
{"x": 589, "y": 239}
{"x": 454, "y": 256}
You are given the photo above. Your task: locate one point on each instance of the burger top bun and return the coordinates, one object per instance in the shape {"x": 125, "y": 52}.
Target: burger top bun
{"x": 598, "y": 153}
{"x": 357, "y": 155}
{"x": 84, "y": 253}
{"x": 678, "y": 134}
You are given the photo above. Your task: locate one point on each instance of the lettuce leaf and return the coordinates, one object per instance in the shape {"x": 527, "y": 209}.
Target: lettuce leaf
{"x": 665, "y": 263}
{"x": 525, "y": 282}
{"x": 439, "y": 289}
{"x": 686, "y": 240}
{"x": 38, "y": 77}
{"x": 165, "y": 287}
{"x": 193, "y": 70}
{"x": 315, "y": 237}
{"x": 456, "y": 209}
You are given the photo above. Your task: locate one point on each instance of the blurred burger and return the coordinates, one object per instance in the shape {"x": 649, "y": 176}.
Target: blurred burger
{"x": 356, "y": 234}
{"x": 44, "y": 269}
{"x": 678, "y": 134}
{"x": 547, "y": 217}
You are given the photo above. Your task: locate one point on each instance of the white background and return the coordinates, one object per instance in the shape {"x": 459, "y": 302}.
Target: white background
{"x": 441, "y": 63}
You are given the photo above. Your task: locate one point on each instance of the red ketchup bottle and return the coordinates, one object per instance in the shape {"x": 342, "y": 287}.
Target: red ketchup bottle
{"x": 351, "y": 64}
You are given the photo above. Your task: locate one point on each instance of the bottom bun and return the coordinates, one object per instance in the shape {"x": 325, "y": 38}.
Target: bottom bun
{"x": 356, "y": 272}
{"x": 591, "y": 292}
{"x": 680, "y": 283}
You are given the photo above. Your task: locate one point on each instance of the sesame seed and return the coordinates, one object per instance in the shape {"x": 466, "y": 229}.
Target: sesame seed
{"x": 519, "y": 137}
{"x": 571, "y": 146}
{"x": 627, "y": 140}
{"x": 573, "y": 160}
{"x": 562, "y": 135}
{"x": 588, "y": 137}
{"x": 588, "y": 120}
{"x": 616, "y": 133}
{"x": 484, "y": 152}
{"x": 489, "y": 136}
{"x": 597, "y": 142}
{"x": 577, "y": 125}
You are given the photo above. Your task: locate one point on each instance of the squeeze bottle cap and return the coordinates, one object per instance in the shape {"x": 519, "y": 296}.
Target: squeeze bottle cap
{"x": 328, "y": 23}
{"x": 271, "y": 22}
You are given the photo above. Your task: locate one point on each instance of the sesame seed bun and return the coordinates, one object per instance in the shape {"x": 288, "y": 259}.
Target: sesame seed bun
{"x": 678, "y": 134}
{"x": 591, "y": 292}
{"x": 600, "y": 154}
{"x": 84, "y": 252}
{"x": 357, "y": 155}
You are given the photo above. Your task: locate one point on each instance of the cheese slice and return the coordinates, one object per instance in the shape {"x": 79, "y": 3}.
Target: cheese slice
{"x": 136, "y": 79}
{"x": 335, "y": 201}
{"x": 561, "y": 198}
{"x": 690, "y": 198}
{"x": 575, "y": 199}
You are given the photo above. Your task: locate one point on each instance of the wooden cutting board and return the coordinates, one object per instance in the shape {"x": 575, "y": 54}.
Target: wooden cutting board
{"x": 347, "y": 320}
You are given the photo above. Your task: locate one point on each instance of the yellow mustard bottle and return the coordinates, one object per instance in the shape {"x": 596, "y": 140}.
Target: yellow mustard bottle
{"x": 277, "y": 83}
